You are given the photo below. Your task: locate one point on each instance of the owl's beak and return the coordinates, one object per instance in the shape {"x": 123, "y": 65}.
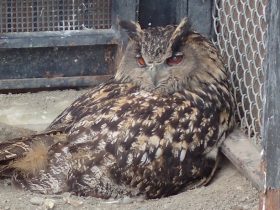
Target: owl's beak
{"x": 155, "y": 72}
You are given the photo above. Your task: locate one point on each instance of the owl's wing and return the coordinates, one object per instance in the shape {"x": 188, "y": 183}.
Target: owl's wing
{"x": 87, "y": 105}
{"x": 81, "y": 105}
{"x": 147, "y": 139}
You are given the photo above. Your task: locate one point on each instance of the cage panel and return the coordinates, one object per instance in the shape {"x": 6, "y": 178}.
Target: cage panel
{"x": 240, "y": 27}
{"x": 54, "y": 15}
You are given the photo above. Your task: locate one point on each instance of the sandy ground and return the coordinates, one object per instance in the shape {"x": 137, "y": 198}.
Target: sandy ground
{"x": 229, "y": 190}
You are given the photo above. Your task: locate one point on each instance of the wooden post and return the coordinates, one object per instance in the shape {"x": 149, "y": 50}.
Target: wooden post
{"x": 270, "y": 198}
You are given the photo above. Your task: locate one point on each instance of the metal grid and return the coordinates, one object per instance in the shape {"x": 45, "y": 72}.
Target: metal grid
{"x": 240, "y": 27}
{"x": 54, "y": 15}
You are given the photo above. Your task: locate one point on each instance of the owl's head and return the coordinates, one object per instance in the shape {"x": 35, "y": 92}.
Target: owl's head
{"x": 168, "y": 59}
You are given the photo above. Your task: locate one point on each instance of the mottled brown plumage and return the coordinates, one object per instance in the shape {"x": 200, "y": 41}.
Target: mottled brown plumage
{"x": 151, "y": 131}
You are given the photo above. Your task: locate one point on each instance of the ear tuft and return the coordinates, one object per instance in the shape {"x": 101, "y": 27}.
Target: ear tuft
{"x": 180, "y": 34}
{"x": 133, "y": 29}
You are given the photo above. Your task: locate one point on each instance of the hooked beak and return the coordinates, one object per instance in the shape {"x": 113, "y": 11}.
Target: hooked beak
{"x": 153, "y": 71}
{"x": 157, "y": 74}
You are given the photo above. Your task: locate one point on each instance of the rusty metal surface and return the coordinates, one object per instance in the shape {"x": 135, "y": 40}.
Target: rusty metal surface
{"x": 270, "y": 200}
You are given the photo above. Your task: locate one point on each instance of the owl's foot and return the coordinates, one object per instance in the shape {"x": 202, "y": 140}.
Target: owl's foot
{"x": 209, "y": 170}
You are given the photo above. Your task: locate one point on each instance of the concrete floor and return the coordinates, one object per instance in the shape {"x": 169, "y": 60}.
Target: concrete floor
{"x": 35, "y": 111}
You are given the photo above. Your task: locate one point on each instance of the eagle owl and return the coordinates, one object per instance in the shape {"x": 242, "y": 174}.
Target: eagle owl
{"x": 152, "y": 130}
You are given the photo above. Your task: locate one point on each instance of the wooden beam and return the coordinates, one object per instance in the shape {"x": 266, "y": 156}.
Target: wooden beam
{"x": 271, "y": 118}
{"x": 244, "y": 156}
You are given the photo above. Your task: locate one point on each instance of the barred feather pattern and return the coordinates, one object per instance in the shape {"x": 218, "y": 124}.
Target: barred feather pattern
{"x": 124, "y": 141}
{"x": 121, "y": 139}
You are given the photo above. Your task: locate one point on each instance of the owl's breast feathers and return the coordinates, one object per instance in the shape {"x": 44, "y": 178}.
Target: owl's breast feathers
{"x": 122, "y": 136}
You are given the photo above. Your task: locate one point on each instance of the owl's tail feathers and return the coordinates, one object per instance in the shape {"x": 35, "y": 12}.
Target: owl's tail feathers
{"x": 27, "y": 155}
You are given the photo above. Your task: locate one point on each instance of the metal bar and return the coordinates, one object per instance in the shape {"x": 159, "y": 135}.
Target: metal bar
{"x": 38, "y": 15}
{"x": 84, "y": 81}
{"x": 200, "y": 14}
{"x": 59, "y": 38}
{"x": 7, "y": 18}
{"x": 54, "y": 14}
{"x": 22, "y": 15}
{"x": 32, "y": 11}
{"x": 41, "y": 15}
{"x": 12, "y": 16}
{"x": 271, "y": 119}
{"x": 61, "y": 17}
{"x": 1, "y": 20}
{"x": 47, "y": 16}
{"x": 17, "y": 15}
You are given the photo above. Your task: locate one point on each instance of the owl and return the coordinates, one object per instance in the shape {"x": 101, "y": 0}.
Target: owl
{"x": 152, "y": 130}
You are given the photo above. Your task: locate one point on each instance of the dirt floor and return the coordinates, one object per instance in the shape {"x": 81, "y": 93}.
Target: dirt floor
{"x": 229, "y": 190}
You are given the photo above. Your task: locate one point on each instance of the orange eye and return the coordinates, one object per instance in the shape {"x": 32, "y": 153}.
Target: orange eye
{"x": 141, "y": 61}
{"x": 174, "y": 60}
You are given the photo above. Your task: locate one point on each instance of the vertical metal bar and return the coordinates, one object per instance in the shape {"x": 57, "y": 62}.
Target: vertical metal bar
{"x": 71, "y": 15}
{"x": 77, "y": 23}
{"x": 22, "y": 15}
{"x": 101, "y": 14}
{"x": 200, "y": 12}
{"x": 86, "y": 12}
{"x": 38, "y": 15}
{"x": 42, "y": 15}
{"x": 1, "y": 15}
{"x": 90, "y": 8}
{"x": 65, "y": 18}
{"x": 50, "y": 14}
{"x": 11, "y": 16}
{"x": 32, "y": 11}
{"x": 54, "y": 12}
{"x": 109, "y": 13}
{"x": 20, "y": 18}
{"x": 6, "y": 14}
{"x": 98, "y": 13}
{"x": 49, "y": 3}
{"x": 47, "y": 16}
{"x": 63, "y": 15}
{"x": 271, "y": 119}
{"x": 27, "y": 16}
{"x": 13, "y": 8}
{"x": 15, "y": 28}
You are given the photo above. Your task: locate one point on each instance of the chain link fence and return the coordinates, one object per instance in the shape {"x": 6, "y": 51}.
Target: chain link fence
{"x": 240, "y": 27}
{"x": 54, "y": 15}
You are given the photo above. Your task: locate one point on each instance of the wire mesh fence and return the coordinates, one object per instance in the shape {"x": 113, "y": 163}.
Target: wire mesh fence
{"x": 240, "y": 27}
{"x": 54, "y": 15}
